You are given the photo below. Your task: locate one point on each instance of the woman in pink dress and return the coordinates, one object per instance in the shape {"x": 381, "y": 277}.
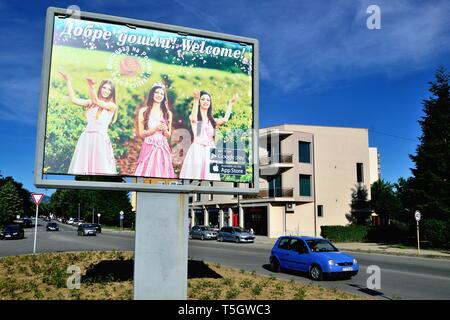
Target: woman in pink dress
{"x": 196, "y": 164}
{"x": 155, "y": 126}
{"x": 93, "y": 152}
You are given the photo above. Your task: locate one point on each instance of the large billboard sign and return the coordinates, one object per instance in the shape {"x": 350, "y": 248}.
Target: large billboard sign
{"x": 129, "y": 98}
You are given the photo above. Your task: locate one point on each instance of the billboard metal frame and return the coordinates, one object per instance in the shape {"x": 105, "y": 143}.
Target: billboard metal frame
{"x": 186, "y": 187}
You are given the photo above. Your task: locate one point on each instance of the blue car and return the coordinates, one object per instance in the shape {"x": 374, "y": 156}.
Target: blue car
{"x": 316, "y": 256}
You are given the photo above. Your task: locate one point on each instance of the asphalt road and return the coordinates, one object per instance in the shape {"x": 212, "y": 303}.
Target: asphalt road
{"x": 401, "y": 277}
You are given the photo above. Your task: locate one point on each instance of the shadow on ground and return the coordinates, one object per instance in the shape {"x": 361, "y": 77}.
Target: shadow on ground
{"x": 123, "y": 270}
{"x": 336, "y": 277}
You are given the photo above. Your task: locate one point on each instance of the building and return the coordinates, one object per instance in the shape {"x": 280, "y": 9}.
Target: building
{"x": 307, "y": 174}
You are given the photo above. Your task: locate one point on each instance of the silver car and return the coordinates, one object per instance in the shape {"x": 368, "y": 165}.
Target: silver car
{"x": 235, "y": 234}
{"x": 203, "y": 232}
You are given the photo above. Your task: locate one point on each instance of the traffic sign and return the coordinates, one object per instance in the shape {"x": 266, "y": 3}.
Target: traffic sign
{"x": 417, "y": 215}
{"x": 37, "y": 197}
{"x": 121, "y": 213}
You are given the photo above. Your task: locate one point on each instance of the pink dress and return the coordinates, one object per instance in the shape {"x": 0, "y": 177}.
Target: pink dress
{"x": 155, "y": 159}
{"x": 196, "y": 164}
{"x": 94, "y": 153}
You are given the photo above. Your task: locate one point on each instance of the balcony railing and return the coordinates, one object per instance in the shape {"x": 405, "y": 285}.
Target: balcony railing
{"x": 282, "y": 158}
{"x": 272, "y": 193}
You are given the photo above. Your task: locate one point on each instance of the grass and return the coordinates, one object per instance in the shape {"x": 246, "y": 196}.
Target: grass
{"x": 44, "y": 277}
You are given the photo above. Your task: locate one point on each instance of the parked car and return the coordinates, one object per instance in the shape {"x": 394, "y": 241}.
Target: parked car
{"x": 86, "y": 229}
{"x": 235, "y": 234}
{"x": 316, "y": 256}
{"x": 12, "y": 231}
{"x": 97, "y": 227}
{"x": 203, "y": 232}
{"x": 52, "y": 226}
{"x": 27, "y": 223}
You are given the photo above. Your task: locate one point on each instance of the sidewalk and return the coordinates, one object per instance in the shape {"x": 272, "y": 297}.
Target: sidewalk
{"x": 371, "y": 248}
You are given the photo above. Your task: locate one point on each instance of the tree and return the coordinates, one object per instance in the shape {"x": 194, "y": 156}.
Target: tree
{"x": 24, "y": 194}
{"x": 10, "y": 203}
{"x": 430, "y": 184}
{"x": 65, "y": 202}
{"x": 384, "y": 202}
{"x": 360, "y": 206}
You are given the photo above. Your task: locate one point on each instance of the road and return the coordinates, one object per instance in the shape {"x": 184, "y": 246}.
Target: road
{"x": 401, "y": 277}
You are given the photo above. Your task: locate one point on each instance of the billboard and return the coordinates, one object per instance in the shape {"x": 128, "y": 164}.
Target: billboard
{"x": 129, "y": 98}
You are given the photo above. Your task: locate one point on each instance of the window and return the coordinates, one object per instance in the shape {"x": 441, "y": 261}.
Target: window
{"x": 235, "y": 186}
{"x": 284, "y": 244}
{"x": 320, "y": 210}
{"x": 197, "y": 197}
{"x": 304, "y": 153}
{"x": 191, "y": 199}
{"x": 210, "y": 195}
{"x": 298, "y": 246}
{"x": 359, "y": 172}
{"x": 305, "y": 185}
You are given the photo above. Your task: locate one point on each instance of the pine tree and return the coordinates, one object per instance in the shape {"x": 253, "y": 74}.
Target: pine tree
{"x": 10, "y": 203}
{"x": 430, "y": 184}
{"x": 360, "y": 206}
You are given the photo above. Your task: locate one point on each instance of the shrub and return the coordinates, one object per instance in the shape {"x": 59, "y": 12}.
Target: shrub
{"x": 437, "y": 232}
{"x": 345, "y": 233}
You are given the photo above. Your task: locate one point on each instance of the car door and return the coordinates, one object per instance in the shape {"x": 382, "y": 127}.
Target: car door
{"x": 194, "y": 232}
{"x": 298, "y": 258}
{"x": 283, "y": 252}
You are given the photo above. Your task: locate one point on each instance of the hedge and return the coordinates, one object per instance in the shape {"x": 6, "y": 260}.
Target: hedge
{"x": 437, "y": 232}
{"x": 351, "y": 233}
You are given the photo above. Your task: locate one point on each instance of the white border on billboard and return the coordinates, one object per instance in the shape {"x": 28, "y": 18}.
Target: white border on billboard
{"x": 186, "y": 186}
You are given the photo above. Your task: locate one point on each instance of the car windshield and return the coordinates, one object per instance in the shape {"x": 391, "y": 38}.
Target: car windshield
{"x": 11, "y": 228}
{"x": 87, "y": 226}
{"x": 238, "y": 230}
{"x": 52, "y": 224}
{"x": 321, "y": 246}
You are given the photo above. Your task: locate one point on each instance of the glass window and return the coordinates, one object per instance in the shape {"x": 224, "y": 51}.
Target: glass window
{"x": 305, "y": 185}
{"x": 304, "y": 153}
{"x": 359, "y": 172}
{"x": 321, "y": 246}
{"x": 320, "y": 211}
{"x": 284, "y": 244}
{"x": 298, "y": 246}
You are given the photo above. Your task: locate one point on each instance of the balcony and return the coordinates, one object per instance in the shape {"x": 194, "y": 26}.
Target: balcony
{"x": 275, "y": 164}
{"x": 271, "y": 193}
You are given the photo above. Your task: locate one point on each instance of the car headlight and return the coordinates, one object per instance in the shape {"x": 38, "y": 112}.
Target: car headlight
{"x": 355, "y": 261}
{"x": 331, "y": 262}
{"x": 15, "y": 234}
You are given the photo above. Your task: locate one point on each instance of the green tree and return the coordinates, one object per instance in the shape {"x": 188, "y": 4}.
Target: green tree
{"x": 24, "y": 194}
{"x": 10, "y": 203}
{"x": 384, "y": 201}
{"x": 430, "y": 184}
{"x": 360, "y": 206}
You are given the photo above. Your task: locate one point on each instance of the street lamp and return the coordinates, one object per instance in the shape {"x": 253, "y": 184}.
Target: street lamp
{"x": 98, "y": 215}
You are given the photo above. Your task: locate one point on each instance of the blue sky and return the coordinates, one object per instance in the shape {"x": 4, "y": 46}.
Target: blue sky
{"x": 319, "y": 65}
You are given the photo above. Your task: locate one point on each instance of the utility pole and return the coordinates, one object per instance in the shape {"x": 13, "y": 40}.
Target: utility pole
{"x": 78, "y": 211}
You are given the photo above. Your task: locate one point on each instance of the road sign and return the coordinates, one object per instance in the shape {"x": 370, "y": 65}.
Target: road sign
{"x": 417, "y": 215}
{"x": 122, "y": 217}
{"x": 121, "y": 213}
{"x": 37, "y": 197}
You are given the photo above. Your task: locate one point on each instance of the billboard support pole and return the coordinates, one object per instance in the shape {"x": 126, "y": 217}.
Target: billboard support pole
{"x": 161, "y": 246}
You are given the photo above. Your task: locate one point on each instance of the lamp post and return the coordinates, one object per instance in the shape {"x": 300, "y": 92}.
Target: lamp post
{"x": 98, "y": 216}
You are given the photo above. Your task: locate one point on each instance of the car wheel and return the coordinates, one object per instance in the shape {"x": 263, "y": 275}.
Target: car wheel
{"x": 237, "y": 240}
{"x": 275, "y": 265}
{"x": 315, "y": 272}
{"x": 220, "y": 239}
{"x": 202, "y": 237}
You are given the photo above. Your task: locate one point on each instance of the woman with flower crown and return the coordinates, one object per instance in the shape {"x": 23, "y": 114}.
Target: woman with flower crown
{"x": 196, "y": 164}
{"x": 155, "y": 126}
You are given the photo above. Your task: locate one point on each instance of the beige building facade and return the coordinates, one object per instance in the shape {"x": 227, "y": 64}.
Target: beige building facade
{"x": 307, "y": 174}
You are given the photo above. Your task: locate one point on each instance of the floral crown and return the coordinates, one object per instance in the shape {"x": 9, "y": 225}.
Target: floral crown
{"x": 159, "y": 84}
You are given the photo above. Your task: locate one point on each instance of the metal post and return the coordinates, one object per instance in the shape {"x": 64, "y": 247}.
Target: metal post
{"x": 35, "y": 228}
{"x": 160, "y": 272}
{"x": 93, "y": 215}
{"x": 78, "y": 212}
{"x": 418, "y": 242}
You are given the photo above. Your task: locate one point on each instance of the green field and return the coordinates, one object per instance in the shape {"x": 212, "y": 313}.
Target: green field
{"x": 66, "y": 121}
